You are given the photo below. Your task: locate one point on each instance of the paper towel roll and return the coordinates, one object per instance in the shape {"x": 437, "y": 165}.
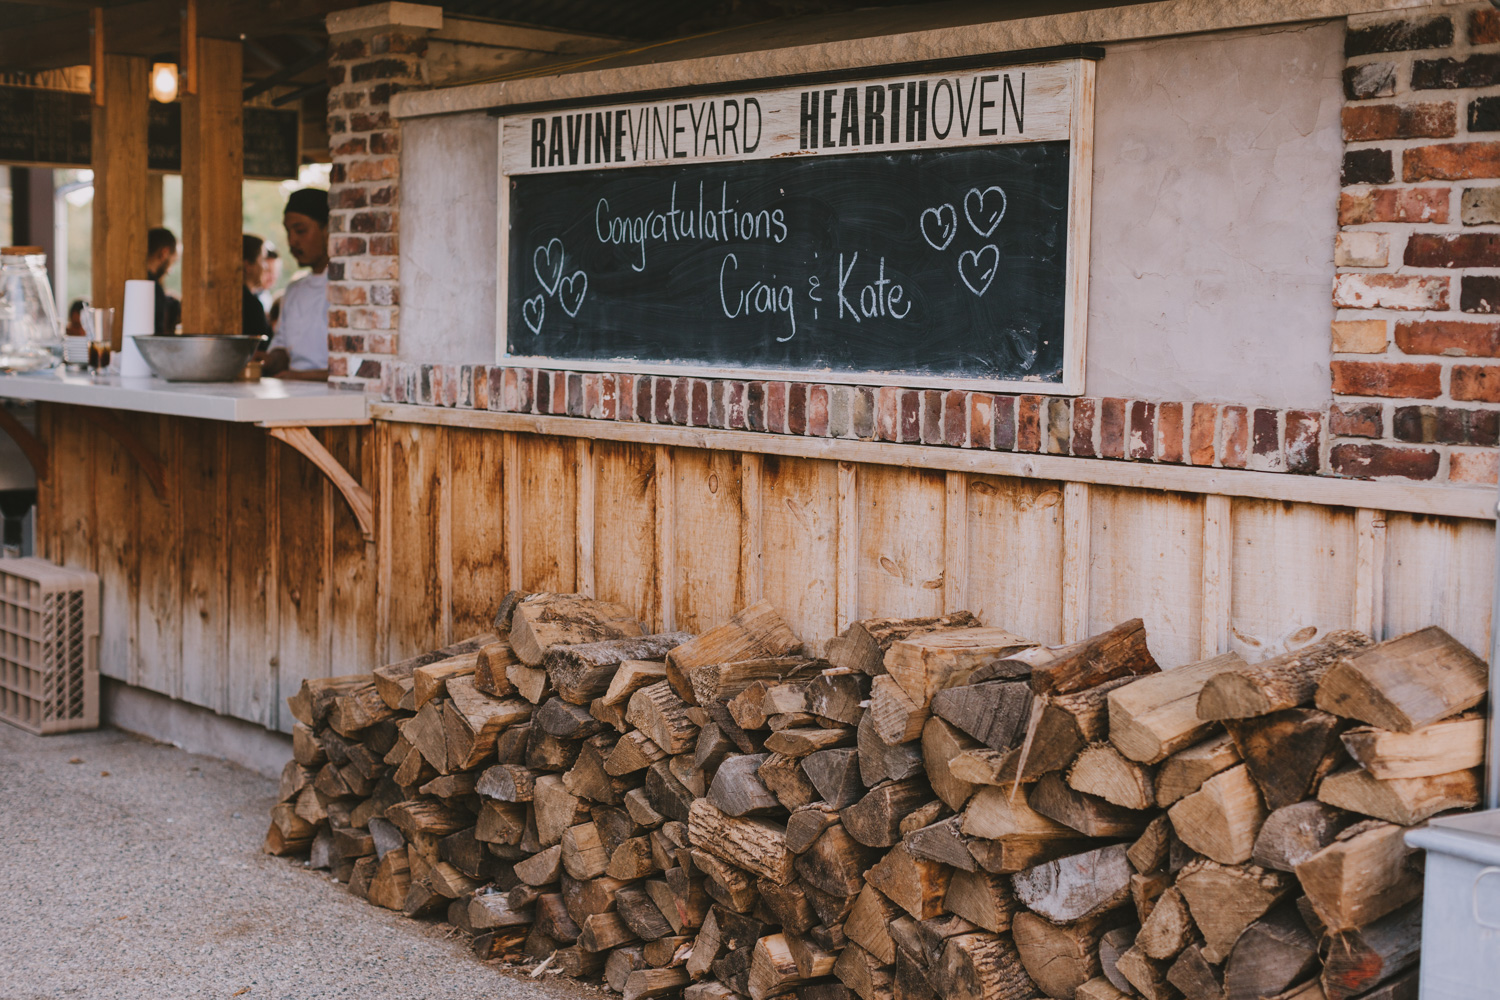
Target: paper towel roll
{"x": 140, "y": 309}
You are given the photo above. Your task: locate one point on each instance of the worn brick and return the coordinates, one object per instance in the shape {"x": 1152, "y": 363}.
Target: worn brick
{"x": 1484, "y": 26}
{"x": 1141, "y": 442}
{"x": 909, "y": 416}
{"x": 1366, "y": 122}
{"x": 1379, "y": 461}
{"x": 1448, "y": 73}
{"x": 1029, "y": 423}
{"x": 1303, "y": 441}
{"x": 340, "y": 294}
{"x": 1453, "y": 339}
{"x": 717, "y": 414}
{"x": 502, "y": 388}
{"x": 471, "y": 386}
{"x": 1480, "y": 206}
{"x": 888, "y": 413}
{"x": 1406, "y": 35}
{"x": 591, "y": 392}
{"x": 641, "y": 406}
{"x": 1356, "y": 420}
{"x": 356, "y": 146}
{"x": 1112, "y": 428}
{"x": 1265, "y": 441}
{"x": 388, "y": 142}
{"x": 796, "y": 408}
{"x": 1361, "y": 206}
{"x": 1169, "y": 431}
{"x": 382, "y": 69}
{"x": 338, "y": 318}
{"x": 775, "y": 407}
{"x": 1411, "y": 292}
{"x": 862, "y": 412}
{"x": 1453, "y": 161}
{"x": 680, "y": 402}
{"x": 1453, "y": 250}
{"x": 1475, "y": 382}
{"x": 1059, "y": 431}
{"x": 1367, "y": 166}
{"x": 1478, "y": 467}
{"x": 1201, "y": 433}
{"x": 956, "y": 418}
{"x": 1234, "y": 453}
{"x": 338, "y": 366}
{"x": 981, "y": 420}
{"x": 841, "y": 411}
{"x": 1005, "y": 423}
{"x": 348, "y": 50}
{"x": 609, "y": 396}
{"x": 1359, "y": 336}
{"x": 1370, "y": 80}
{"x": 1397, "y": 380}
{"x": 1445, "y": 425}
{"x": 817, "y": 411}
{"x": 1362, "y": 249}
{"x": 755, "y": 406}
{"x": 931, "y": 431}
{"x": 346, "y": 246}
{"x": 698, "y": 403}
{"x": 1085, "y": 414}
{"x": 381, "y": 169}
{"x": 734, "y": 405}
{"x": 1479, "y": 293}
{"x": 372, "y": 269}
{"x": 386, "y": 194}
{"x": 558, "y": 402}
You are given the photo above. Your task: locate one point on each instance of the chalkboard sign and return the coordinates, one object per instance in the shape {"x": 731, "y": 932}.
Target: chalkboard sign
{"x": 54, "y": 128}
{"x": 922, "y": 232}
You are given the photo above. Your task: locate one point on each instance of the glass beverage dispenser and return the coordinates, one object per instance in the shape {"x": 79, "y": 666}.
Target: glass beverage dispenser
{"x": 31, "y": 338}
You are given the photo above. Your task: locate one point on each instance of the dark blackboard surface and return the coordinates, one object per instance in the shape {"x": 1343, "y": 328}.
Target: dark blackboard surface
{"x": 945, "y": 283}
{"x": 272, "y": 143}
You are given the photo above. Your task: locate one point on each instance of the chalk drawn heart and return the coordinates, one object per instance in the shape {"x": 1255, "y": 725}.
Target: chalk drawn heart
{"x": 978, "y": 268}
{"x": 942, "y": 221}
{"x": 546, "y": 267}
{"x": 572, "y": 288}
{"x": 983, "y": 211}
{"x": 532, "y": 311}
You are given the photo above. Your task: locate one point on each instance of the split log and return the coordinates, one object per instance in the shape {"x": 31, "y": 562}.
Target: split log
{"x": 1294, "y": 833}
{"x": 1358, "y": 960}
{"x": 1146, "y": 890}
{"x": 1150, "y": 850}
{"x": 836, "y": 862}
{"x": 807, "y": 824}
{"x": 915, "y": 885}
{"x": 584, "y": 898}
{"x": 1156, "y": 716}
{"x": 1099, "y": 988}
{"x": 755, "y": 845}
{"x": 924, "y": 815}
{"x": 942, "y": 841}
{"x": 757, "y": 632}
{"x": 473, "y": 722}
{"x": 531, "y": 683}
{"x": 1406, "y": 683}
{"x": 490, "y": 666}
{"x": 431, "y": 680}
{"x": 1059, "y": 957}
{"x": 661, "y": 715}
{"x": 1220, "y": 820}
{"x": 1367, "y": 872}
{"x": 791, "y": 908}
{"x": 430, "y": 816}
{"x": 390, "y": 881}
{"x": 507, "y": 783}
{"x": 488, "y": 910}
{"x": 583, "y": 854}
{"x": 1288, "y": 752}
{"x": 838, "y": 696}
{"x": 640, "y": 914}
{"x": 787, "y": 781}
{"x": 1089, "y": 815}
{"x": 630, "y": 676}
{"x": 897, "y": 718}
{"x": 1403, "y": 801}
{"x": 773, "y": 970}
{"x": 665, "y": 793}
{"x": 861, "y": 972}
{"x": 1119, "y": 652}
{"x": 681, "y": 899}
{"x": 1077, "y": 886}
{"x": 306, "y": 750}
{"x": 1225, "y": 899}
{"x": 556, "y": 809}
{"x": 1112, "y": 946}
{"x": 1185, "y": 771}
{"x": 621, "y": 963}
{"x": 643, "y": 984}
{"x": 1277, "y": 683}
{"x": 983, "y": 899}
{"x": 1011, "y": 836}
{"x": 1274, "y": 953}
{"x": 738, "y": 790}
{"x": 314, "y": 699}
{"x": 942, "y": 742}
{"x": 1168, "y": 929}
{"x": 835, "y": 774}
{"x": 982, "y": 966}
{"x": 1147, "y": 975}
{"x": 713, "y": 682}
{"x": 994, "y": 712}
{"x": 634, "y": 752}
{"x": 1102, "y": 771}
{"x": 864, "y": 643}
{"x": 1441, "y": 748}
{"x": 357, "y": 710}
{"x": 875, "y": 820}
{"x": 603, "y": 931}
{"x": 542, "y": 868}
{"x": 880, "y": 761}
{"x": 802, "y": 741}
{"x": 925, "y": 664}
{"x": 868, "y": 926}
{"x": 1194, "y": 976}
{"x": 541, "y": 621}
{"x": 582, "y": 672}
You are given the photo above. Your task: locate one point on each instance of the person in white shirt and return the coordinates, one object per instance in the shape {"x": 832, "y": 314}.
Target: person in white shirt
{"x": 299, "y": 350}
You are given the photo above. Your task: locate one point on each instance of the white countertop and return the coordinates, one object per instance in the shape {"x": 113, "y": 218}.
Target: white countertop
{"x": 238, "y": 402}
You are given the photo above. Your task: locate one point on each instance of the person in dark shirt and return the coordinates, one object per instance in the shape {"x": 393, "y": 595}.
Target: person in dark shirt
{"x": 253, "y": 314}
{"x": 161, "y": 254}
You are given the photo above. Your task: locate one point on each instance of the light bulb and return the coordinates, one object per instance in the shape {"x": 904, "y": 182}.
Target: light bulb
{"x": 164, "y": 82}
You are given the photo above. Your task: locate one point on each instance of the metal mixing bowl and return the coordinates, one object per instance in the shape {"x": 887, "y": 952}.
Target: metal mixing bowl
{"x": 197, "y": 357}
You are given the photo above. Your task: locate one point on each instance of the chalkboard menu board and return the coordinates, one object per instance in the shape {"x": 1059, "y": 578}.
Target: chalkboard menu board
{"x": 54, "y": 128}
{"x": 923, "y": 231}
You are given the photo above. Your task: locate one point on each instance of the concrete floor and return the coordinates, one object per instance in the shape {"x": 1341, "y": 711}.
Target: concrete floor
{"x": 138, "y": 873}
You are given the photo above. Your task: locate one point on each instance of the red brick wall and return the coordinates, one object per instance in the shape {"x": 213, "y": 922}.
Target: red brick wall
{"x": 1417, "y": 334}
{"x": 366, "y": 69}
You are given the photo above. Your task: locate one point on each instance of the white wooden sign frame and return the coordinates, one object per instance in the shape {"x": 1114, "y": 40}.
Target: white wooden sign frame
{"x": 1058, "y": 104}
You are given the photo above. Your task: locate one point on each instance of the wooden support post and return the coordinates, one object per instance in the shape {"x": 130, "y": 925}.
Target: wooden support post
{"x": 213, "y": 167}
{"x": 360, "y": 501}
{"x": 119, "y": 161}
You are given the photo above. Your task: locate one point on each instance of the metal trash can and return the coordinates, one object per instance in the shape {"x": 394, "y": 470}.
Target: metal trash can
{"x": 1461, "y": 907}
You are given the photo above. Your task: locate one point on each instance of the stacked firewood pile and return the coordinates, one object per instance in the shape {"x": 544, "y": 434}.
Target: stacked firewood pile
{"x": 933, "y": 809}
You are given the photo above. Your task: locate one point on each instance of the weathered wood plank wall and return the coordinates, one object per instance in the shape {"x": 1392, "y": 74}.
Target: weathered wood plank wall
{"x": 251, "y": 574}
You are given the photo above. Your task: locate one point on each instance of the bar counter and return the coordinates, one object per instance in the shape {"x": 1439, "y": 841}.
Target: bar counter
{"x": 266, "y": 401}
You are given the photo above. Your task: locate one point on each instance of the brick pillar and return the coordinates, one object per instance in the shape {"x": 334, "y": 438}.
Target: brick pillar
{"x": 1416, "y": 338}
{"x": 375, "y": 52}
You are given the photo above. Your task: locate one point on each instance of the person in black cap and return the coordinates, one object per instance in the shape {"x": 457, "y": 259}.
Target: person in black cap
{"x": 252, "y": 313}
{"x": 299, "y": 350}
{"x": 161, "y": 254}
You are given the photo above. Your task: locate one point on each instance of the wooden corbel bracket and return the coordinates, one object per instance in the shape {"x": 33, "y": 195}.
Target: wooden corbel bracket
{"x": 33, "y": 449}
{"x": 151, "y": 466}
{"x": 360, "y": 502}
